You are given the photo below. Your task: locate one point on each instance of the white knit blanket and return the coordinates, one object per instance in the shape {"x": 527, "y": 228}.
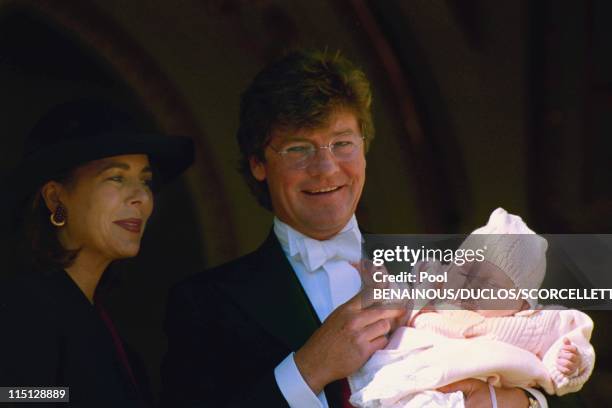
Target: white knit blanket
{"x": 419, "y": 360}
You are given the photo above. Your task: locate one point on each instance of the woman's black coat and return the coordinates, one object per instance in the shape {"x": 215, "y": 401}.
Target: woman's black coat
{"x": 51, "y": 335}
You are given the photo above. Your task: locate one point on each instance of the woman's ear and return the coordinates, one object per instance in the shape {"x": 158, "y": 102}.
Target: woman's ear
{"x": 258, "y": 168}
{"x": 50, "y": 193}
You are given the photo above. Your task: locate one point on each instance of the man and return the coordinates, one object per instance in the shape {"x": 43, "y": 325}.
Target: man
{"x": 285, "y": 325}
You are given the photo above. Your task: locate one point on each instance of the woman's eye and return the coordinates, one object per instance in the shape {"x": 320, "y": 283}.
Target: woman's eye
{"x": 118, "y": 179}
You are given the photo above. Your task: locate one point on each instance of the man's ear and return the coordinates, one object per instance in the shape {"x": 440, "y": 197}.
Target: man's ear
{"x": 50, "y": 193}
{"x": 258, "y": 168}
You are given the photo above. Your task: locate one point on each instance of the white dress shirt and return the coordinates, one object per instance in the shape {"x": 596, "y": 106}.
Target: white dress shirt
{"x": 329, "y": 280}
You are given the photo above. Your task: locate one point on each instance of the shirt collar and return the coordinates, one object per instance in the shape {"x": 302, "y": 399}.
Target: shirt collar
{"x": 292, "y": 241}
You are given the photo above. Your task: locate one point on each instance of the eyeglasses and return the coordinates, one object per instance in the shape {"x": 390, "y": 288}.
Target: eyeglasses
{"x": 300, "y": 154}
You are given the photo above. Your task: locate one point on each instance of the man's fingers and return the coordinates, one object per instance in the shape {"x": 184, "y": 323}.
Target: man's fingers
{"x": 364, "y": 267}
{"x": 371, "y": 315}
{"x": 366, "y": 270}
{"x": 353, "y": 303}
{"x": 400, "y": 320}
{"x": 377, "y": 344}
{"x": 376, "y": 329}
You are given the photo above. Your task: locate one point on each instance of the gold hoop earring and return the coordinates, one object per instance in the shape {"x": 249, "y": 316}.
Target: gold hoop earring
{"x": 58, "y": 217}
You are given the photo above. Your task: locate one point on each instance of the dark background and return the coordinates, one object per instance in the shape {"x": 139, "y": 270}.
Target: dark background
{"x": 477, "y": 104}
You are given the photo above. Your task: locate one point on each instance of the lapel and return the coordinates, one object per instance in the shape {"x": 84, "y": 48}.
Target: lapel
{"x": 273, "y": 295}
{"x": 87, "y": 335}
{"x": 100, "y": 334}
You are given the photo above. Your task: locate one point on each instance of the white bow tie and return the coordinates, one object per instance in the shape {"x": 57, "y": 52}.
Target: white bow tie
{"x": 345, "y": 246}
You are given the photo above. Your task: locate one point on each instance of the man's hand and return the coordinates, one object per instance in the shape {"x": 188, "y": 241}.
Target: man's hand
{"x": 477, "y": 395}
{"x": 349, "y": 336}
{"x": 367, "y": 269}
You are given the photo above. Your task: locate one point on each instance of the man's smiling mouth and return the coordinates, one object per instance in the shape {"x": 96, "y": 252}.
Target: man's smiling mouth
{"x": 323, "y": 190}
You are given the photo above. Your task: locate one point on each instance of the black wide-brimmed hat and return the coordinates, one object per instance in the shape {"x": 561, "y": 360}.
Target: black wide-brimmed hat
{"x": 78, "y": 132}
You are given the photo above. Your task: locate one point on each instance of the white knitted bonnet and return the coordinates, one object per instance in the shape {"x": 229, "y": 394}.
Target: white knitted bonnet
{"x": 512, "y": 247}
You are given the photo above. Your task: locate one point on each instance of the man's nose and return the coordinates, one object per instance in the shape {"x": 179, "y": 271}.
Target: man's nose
{"x": 323, "y": 162}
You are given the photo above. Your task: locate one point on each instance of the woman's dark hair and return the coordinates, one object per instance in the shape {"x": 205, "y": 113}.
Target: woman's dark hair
{"x": 45, "y": 251}
{"x": 299, "y": 91}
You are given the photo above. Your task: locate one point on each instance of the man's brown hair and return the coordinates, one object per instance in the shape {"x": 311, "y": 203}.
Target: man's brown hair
{"x": 299, "y": 91}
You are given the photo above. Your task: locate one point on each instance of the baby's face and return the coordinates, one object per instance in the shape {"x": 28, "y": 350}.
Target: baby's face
{"x": 484, "y": 275}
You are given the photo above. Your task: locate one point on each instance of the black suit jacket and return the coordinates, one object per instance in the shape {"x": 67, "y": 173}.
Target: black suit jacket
{"x": 52, "y": 336}
{"x": 230, "y": 326}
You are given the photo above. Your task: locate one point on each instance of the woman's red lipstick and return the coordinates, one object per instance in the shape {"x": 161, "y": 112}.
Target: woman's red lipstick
{"x": 130, "y": 224}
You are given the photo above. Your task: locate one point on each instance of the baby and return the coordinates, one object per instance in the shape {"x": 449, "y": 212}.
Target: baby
{"x": 510, "y": 342}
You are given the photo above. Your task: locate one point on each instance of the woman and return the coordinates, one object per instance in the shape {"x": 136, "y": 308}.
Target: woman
{"x": 88, "y": 173}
